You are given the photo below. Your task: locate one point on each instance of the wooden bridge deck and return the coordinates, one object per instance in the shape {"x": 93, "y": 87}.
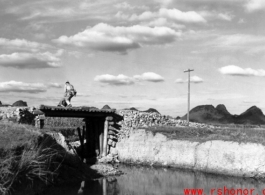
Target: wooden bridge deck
{"x": 97, "y": 124}
{"x": 78, "y": 112}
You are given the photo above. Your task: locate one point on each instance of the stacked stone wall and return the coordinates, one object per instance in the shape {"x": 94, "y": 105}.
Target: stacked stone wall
{"x": 137, "y": 120}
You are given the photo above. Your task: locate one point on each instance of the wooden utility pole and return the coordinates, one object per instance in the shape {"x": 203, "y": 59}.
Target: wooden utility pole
{"x": 188, "y": 113}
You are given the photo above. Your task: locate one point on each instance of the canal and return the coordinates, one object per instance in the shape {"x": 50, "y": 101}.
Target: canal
{"x": 139, "y": 180}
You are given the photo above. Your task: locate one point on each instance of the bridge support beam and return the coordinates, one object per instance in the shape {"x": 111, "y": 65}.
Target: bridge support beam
{"x": 81, "y": 135}
{"x": 90, "y": 138}
{"x": 97, "y": 137}
{"x": 105, "y": 140}
{"x": 101, "y": 137}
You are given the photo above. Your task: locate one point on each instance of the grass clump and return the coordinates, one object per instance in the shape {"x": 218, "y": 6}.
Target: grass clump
{"x": 24, "y": 159}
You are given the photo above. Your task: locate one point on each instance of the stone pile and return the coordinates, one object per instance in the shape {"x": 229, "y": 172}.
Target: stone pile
{"x": 137, "y": 119}
{"x": 18, "y": 114}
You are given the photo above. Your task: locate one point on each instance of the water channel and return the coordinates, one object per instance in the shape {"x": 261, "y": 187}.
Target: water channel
{"x": 162, "y": 181}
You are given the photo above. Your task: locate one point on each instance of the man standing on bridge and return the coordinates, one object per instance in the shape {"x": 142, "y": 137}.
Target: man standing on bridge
{"x": 69, "y": 92}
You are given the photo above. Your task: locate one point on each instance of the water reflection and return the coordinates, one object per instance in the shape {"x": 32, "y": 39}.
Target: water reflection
{"x": 153, "y": 181}
{"x": 104, "y": 186}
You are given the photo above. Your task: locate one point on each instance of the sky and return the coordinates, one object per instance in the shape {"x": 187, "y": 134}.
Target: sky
{"x": 134, "y": 53}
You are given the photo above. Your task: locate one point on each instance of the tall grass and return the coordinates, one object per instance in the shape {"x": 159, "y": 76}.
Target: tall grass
{"x": 26, "y": 163}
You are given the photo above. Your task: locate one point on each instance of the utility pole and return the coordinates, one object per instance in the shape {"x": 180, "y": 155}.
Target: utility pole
{"x": 188, "y": 113}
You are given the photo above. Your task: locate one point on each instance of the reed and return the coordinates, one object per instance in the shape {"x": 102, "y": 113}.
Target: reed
{"x": 26, "y": 163}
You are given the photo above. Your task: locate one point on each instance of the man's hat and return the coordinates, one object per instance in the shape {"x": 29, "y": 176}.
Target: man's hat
{"x": 67, "y": 82}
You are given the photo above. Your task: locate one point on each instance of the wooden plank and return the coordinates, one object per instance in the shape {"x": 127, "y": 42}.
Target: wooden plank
{"x": 112, "y": 132}
{"x": 73, "y": 114}
{"x": 109, "y": 118}
{"x": 91, "y": 150}
{"x": 105, "y": 141}
{"x": 104, "y": 186}
{"x": 81, "y": 139}
{"x": 96, "y": 137}
{"x": 87, "y": 138}
{"x": 113, "y": 129}
{"x": 101, "y": 136}
{"x": 84, "y": 133}
{"x": 80, "y": 112}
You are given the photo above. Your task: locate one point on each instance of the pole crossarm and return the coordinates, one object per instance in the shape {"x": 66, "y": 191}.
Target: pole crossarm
{"x": 189, "y": 70}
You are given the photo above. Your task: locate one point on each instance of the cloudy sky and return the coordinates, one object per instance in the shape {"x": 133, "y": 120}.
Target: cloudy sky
{"x": 133, "y": 53}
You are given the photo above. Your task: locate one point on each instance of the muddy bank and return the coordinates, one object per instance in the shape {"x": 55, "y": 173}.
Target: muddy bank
{"x": 32, "y": 160}
{"x": 221, "y": 157}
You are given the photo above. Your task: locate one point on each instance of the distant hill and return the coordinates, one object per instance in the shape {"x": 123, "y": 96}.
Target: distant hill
{"x": 106, "y": 107}
{"x": 222, "y": 109}
{"x": 219, "y": 114}
{"x": 253, "y": 115}
{"x": 151, "y": 110}
{"x": 87, "y": 107}
{"x": 20, "y": 103}
{"x": 132, "y": 108}
{"x": 210, "y": 114}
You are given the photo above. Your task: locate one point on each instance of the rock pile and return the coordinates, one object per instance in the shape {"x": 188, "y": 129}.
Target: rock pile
{"x": 19, "y": 114}
{"x": 136, "y": 119}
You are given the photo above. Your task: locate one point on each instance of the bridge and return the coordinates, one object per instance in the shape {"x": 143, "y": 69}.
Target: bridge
{"x": 98, "y": 124}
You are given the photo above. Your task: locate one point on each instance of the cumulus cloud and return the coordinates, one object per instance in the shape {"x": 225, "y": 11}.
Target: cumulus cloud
{"x": 114, "y": 80}
{"x": 171, "y": 14}
{"x": 17, "y": 86}
{"x": 210, "y": 15}
{"x": 225, "y": 16}
{"x": 125, "y": 5}
{"x": 179, "y": 81}
{"x": 125, "y": 80}
{"x": 250, "y": 44}
{"x": 196, "y": 79}
{"x": 55, "y": 85}
{"x": 30, "y": 60}
{"x": 193, "y": 79}
{"x": 22, "y": 44}
{"x": 235, "y": 40}
{"x": 164, "y": 22}
{"x": 104, "y": 37}
{"x": 238, "y": 71}
{"x": 164, "y": 3}
{"x": 175, "y": 14}
{"x": 254, "y": 5}
{"x": 149, "y": 76}
{"x": 53, "y": 11}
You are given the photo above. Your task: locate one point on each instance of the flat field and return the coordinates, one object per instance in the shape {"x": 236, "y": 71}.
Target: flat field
{"x": 253, "y": 135}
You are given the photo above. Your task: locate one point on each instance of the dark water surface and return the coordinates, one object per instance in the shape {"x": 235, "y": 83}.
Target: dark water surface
{"x": 161, "y": 181}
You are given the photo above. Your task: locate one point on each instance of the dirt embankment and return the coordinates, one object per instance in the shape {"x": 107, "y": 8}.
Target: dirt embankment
{"x": 217, "y": 156}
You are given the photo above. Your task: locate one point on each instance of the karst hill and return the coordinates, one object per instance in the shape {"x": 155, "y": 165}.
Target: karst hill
{"x": 150, "y": 110}
{"x": 219, "y": 114}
